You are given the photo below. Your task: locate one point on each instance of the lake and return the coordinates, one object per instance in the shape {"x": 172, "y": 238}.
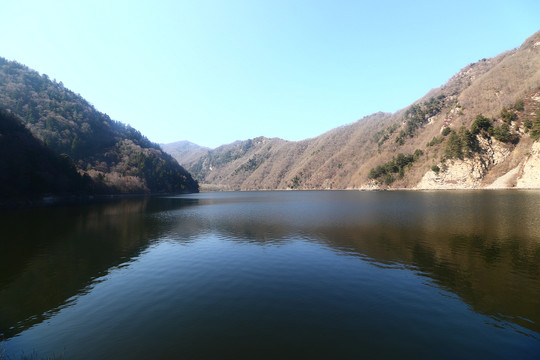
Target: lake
{"x": 275, "y": 275}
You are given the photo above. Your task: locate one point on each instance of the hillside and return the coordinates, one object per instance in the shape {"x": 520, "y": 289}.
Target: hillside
{"x": 116, "y": 157}
{"x": 477, "y": 130}
{"x": 28, "y": 169}
{"x": 185, "y": 151}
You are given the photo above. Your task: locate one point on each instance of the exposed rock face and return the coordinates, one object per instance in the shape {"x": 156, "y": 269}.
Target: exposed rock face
{"x": 493, "y": 151}
{"x": 530, "y": 169}
{"x": 370, "y": 186}
{"x": 506, "y": 181}
{"x": 469, "y": 172}
{"x": 459, "y": 174}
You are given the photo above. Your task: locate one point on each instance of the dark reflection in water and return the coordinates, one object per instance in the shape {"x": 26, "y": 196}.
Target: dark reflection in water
{"x": 276, "y": 274}
{"x": 49, "y": 255}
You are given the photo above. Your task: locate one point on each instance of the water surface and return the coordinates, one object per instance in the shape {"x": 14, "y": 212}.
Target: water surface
{"x": 275, "y": 275}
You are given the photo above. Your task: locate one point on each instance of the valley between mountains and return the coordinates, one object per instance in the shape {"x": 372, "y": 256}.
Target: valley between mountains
{"x": 479, "y": 130}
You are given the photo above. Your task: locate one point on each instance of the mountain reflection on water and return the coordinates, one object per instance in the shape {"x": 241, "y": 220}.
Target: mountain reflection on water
{"x": 483, "y": 247}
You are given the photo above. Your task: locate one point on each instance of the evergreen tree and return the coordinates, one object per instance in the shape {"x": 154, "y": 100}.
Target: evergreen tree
{"x": 481, "y": 123}
{"x": 454, "y": 147}
{"x": 535, "y": 130}
{"x": 502, "y": 133}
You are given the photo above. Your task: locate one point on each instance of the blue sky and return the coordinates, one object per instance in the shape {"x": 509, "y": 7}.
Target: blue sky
{"x": 215, "y": 71}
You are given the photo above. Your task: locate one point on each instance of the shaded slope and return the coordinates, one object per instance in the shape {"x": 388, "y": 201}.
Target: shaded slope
{"x": 112, "y": 153}
{"x": 29, "y": 170}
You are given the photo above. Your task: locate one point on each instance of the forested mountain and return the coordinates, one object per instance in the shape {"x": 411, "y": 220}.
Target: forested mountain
{"x": 478, "y": 130}
{"x": 28, "y": 169}
{"x": 116, "y": 157}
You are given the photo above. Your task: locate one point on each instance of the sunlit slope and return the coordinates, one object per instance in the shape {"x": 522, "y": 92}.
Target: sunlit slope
{"x": 505, "y": 90}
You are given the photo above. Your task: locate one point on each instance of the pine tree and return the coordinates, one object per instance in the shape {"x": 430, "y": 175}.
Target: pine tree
{"x": 454, "y": 147}
{"x": 535, "y": 130}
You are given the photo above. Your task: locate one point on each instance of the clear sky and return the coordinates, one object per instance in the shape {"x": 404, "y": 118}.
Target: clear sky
{"x": 215, "y": 71}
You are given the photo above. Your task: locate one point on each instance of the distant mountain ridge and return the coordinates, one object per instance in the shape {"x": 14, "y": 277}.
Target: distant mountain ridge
{"x": 116, "y": 157}
{"x": 478, "y": 130}
{"x": 185, "y": 150}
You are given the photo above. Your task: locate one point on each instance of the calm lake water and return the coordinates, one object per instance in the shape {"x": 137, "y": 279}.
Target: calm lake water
{"x": 275, "y": 275}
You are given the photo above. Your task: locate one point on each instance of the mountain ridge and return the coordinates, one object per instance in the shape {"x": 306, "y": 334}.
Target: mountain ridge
{"x": 344, "y": 157}
{"x": 116, "y": 157}
{"x": 185, "y": 150}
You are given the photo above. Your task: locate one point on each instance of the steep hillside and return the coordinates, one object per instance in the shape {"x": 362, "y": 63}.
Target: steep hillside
{"x": 469, "y": 133}
{"x": 264, "y": 163}
{"x": 114, "y": 155}
{"x": 29, "y": 170}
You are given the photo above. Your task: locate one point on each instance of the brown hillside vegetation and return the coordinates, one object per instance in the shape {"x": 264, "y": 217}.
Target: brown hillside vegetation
{"x": 118, "y": 158}
{"x": 185, "y": 150}
{"x": 468, "y": 133}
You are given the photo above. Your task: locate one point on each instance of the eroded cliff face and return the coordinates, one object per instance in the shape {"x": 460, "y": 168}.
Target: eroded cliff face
{"x": 467, "y": 173}
{"x": 471, "y": 173}
{"x": 460, "y": 174}
{"x": 529, "y": 171}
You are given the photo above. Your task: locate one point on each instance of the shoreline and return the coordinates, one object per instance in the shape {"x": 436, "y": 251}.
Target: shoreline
{"x": 71, "y": 200}
{"x": 384, "y": 189}
{"x": 76, "y": 200}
